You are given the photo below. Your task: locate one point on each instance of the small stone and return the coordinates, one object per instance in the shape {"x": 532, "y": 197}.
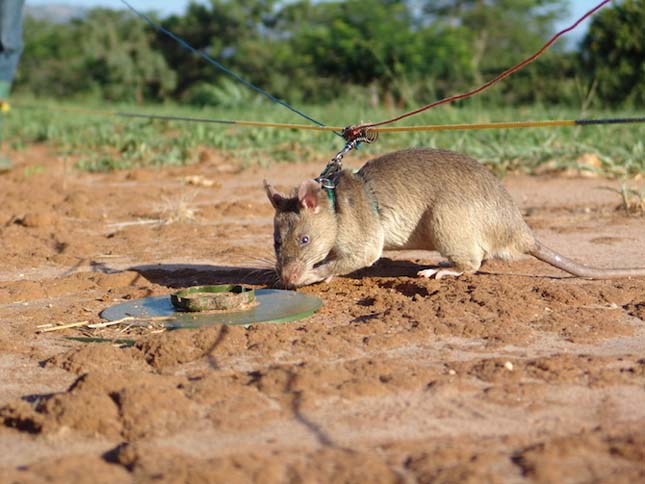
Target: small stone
{"x": 37, "y": 219}
{"x": 508, "y": 365}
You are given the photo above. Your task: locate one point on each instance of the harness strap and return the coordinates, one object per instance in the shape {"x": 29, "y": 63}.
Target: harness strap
{"x": 370, "y": 193}
{"x": 329, "y": 186}
{"x": 331, "y": 195}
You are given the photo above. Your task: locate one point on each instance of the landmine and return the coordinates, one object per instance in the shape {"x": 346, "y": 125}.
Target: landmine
{"x": 226, "y": 304}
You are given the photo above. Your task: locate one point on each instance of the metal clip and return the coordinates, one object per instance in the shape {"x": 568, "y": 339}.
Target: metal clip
{"x": 354, "y": 135}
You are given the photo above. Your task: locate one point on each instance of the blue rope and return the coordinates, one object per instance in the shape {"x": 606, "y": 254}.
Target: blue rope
{"x": 221, "y": 67}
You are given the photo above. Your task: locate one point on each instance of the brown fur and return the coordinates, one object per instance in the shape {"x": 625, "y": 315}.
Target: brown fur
{"x": 411, "y": 199}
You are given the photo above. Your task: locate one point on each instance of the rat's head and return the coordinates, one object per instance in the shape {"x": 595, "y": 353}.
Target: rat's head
{"x": 304, "y": 230}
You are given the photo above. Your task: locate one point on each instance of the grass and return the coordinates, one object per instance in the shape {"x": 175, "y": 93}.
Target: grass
{"x": 632, "y": 199}
{"x": 104, "y": 142}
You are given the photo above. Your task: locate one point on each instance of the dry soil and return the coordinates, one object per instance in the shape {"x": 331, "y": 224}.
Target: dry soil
{"x": 520, "y": 373}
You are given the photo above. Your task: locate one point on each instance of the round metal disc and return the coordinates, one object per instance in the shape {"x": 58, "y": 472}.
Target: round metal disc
{"x": 274, "y": 306}
{"x": 222, "y": 297}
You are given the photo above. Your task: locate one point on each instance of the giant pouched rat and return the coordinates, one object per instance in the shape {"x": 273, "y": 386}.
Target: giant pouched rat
{"x": 412, "y": 199}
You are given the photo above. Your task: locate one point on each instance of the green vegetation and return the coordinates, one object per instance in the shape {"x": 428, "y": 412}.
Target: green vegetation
{"x": 614, "y": 53}
{"x": 407, "y": 52}
{"x": 342, "y": 62}
{"x": 111, "y": 142}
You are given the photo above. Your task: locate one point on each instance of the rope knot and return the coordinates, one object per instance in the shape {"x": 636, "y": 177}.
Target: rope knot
{"x": 360, "y": 134}
{"x": 354, "y": 136}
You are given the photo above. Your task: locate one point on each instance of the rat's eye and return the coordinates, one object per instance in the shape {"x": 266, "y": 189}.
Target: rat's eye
{"x": 304, "y": 240}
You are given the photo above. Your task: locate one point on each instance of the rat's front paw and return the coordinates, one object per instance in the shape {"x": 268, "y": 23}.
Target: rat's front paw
{"x": 311, "y": 278}
{"x": 324, "y": 272}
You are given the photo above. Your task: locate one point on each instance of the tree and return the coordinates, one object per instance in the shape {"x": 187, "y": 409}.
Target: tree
{"x": 118, "y": 54}
{"x": 107, "y": 54}
{"x": 218, "y": 29}
{"x": 613, "y": 53}
{"x": 51, "y": 62}
{"x": 371, "y": 42}
{"x": 405, "y": 51}
{"x": 501, "y": 32}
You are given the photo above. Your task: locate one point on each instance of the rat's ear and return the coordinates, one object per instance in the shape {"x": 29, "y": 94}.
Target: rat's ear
{"x": 276, "y": 198}
{"x": 309, "y": 195}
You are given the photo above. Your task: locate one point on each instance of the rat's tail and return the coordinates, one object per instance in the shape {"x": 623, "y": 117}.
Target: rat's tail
{"x": 549, "y": 256}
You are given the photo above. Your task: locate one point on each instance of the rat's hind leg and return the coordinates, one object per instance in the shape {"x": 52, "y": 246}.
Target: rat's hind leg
{"x": 442, "y": 270}
{"x": 455, "y": 271}
{"x": 457, "y": 236}
{"x": 461, "y": 262}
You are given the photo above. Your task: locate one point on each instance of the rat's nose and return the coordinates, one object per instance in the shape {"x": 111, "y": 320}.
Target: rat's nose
{"x": 291, "y": 274}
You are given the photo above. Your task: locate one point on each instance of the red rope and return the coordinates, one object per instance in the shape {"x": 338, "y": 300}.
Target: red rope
{"x": 504, "y": 74}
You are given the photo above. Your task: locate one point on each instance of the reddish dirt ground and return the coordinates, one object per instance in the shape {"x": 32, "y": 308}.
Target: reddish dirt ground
{"x": 517, "y": 374}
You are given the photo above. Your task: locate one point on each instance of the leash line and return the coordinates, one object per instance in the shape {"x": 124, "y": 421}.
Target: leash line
{"x": 510, "y": 125}
{"x": 501, "y": 76}
{"x": 163, "y": 117}
{"x": 219, "y": 65}
{"x": 257, "y": 124}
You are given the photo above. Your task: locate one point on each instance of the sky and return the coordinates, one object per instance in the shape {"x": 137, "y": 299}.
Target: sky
{"x": 167, "y": 7}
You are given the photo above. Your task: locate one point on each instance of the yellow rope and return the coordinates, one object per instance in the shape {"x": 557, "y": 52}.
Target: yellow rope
{"x": 339, "y": 129}
{"x": 498, "y": 125}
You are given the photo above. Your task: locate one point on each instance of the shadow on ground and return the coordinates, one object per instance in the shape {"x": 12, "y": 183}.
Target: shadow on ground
{"x": 183, "y": 275}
